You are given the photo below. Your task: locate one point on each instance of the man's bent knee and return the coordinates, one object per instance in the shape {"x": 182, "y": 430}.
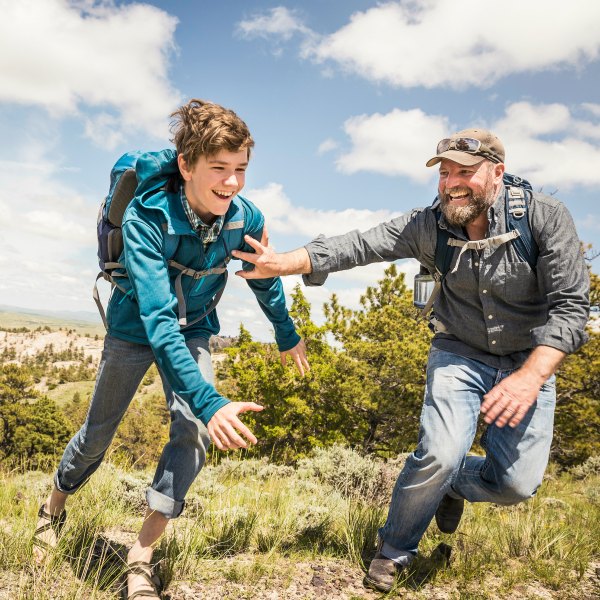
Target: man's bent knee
{"x": 431, "y": 468}
{"x": 513, "y": 491}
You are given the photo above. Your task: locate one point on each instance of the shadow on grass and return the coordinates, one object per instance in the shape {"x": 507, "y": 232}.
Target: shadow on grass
{"x": 424, "y": 568}
{"x": 101, "y": 562}
{"x": 97, "y": 560}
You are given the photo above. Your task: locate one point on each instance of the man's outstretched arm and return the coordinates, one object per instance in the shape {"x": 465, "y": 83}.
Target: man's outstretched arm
{"x": 268, "y": 263}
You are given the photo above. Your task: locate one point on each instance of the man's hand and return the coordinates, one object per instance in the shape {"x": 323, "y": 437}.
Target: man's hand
{"x": 224, "y": 423}
{"x": 298, "y": 354}
{"x": 510, "y": 399}
{"x": 268, "y": 263}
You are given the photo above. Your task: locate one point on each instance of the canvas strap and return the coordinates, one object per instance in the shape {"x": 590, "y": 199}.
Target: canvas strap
{"x": 491, "y": 243}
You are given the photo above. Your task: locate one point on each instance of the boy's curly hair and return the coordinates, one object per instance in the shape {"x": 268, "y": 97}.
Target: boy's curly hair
{"x": 204, "y": 128}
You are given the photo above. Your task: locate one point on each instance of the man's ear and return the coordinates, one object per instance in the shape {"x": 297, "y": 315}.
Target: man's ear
{"x": 183, "y": 168}
{"x": 498, "y": 172}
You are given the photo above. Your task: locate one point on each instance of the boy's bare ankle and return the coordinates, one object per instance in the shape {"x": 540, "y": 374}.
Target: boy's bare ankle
{"x": 55, "y": 503}
{"x": 139, "y": 553}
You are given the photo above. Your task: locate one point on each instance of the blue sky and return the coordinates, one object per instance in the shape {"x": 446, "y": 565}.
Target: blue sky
{"x": 346, "y": 101}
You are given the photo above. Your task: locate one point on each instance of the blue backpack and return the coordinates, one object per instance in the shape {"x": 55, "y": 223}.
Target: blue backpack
{"x": 123, "y": 184}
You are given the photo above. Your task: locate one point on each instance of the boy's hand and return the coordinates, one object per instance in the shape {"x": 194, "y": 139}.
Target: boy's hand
{"x": 298, "y": 354}
{"x": 224, "y": 423}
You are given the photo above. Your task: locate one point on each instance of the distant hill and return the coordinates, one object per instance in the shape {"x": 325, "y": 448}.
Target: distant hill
{"x": 72, "y": 315}
{"x": 12, "y": 317}
{"x": 83, "y": 322}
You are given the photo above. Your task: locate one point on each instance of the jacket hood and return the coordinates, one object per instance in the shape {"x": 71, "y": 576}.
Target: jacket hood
{"x": 153, "y": 171}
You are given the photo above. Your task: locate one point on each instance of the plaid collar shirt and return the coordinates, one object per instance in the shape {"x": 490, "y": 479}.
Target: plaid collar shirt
{"x": 207, "y": 233}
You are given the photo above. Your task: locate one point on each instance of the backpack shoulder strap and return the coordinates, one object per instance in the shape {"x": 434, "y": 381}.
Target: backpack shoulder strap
{"x": 443, "y": 251}
{"x": 443, "y": 259}
{"x": 171, "y": 242}
{"x": 517, "y": 197}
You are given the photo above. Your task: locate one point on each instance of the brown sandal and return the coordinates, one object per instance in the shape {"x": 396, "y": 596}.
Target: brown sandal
{"x": 145, "y": 570}
{"x": 55, "y": 522}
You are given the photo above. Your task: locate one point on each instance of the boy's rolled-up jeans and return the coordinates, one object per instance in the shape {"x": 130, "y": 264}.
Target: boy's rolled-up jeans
{"x": 122, "y": 367}
{"x": 510, "y": 472}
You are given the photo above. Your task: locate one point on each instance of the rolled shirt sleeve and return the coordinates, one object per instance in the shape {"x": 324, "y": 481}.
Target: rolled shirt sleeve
{"x": 411, "y": 235}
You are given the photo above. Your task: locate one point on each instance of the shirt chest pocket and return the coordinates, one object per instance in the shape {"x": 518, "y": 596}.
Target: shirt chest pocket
{"x": 520, "y": 283}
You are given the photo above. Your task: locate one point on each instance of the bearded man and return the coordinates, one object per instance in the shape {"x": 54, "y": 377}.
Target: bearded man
{"x": 502, "y": 329}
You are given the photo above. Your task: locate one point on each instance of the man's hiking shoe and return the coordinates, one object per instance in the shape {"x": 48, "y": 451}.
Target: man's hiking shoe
{"x": 382, "y": 574}
{"x": 448, "y": 514}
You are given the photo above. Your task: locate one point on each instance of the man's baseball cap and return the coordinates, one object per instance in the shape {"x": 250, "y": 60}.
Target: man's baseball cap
{"x": 468, "y": 147}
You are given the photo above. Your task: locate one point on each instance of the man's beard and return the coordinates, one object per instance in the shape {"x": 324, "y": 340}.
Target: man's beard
{"x": 463, "y": 215}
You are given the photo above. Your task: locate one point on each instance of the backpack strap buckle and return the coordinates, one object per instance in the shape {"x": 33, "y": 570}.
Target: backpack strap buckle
{"x": 516, "y": 202}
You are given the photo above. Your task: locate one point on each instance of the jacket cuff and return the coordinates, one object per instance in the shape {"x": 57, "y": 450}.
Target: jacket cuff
{"x": 206, "y": 413}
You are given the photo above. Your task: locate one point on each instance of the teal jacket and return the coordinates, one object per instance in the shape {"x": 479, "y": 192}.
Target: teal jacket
{"x": 145, "y": 310}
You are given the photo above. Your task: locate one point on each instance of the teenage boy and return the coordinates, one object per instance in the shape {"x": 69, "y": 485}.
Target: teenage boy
{"x": 191, "y": 193}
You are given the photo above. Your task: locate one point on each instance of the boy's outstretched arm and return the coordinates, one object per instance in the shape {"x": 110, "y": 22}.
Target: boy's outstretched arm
{"x": 268, "y": 263}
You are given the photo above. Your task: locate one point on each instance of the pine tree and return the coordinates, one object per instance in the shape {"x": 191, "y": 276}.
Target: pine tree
{"x": 389, "y": 348}
{"x": 31, "y": 428}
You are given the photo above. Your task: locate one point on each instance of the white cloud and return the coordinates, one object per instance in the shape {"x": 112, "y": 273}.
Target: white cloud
{"x": 283, "y": 217}
{"x": 397, "y": 143}
{"x": 48, "y": 235}
{"x": 64, "y": 56}
{"x": 104, "y": 131}
{"x": 548, "y": 143}
{"x": 593, "y": 108}
{"x": 279, "y": 22}
{"x": 551, "y": 144}
{"x": 589, "y": 223}
{"x": 327, "y": 146}
{"x": 433, "y": 43}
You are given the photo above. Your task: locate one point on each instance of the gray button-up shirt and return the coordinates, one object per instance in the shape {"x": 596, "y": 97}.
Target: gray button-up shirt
{"x": 495, "y": 307}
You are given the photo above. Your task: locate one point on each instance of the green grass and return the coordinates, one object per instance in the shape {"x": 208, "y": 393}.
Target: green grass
{"x": 251, "y": 525}
{"x": 64, "y": 392}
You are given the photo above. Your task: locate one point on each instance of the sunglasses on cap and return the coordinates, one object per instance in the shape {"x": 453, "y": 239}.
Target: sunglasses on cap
{"x": 464, "y": 144}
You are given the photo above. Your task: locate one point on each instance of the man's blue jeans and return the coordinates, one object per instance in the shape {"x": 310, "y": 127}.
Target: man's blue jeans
{"x": 511, "y": 471}
{"x": 122, "y": 367}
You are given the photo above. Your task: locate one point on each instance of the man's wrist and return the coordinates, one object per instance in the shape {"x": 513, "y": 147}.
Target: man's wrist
{"x": 296, "y": 262}
{"x": 543, "y": 362}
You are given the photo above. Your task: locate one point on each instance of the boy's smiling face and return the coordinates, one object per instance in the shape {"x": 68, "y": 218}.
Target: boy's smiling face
{"x": 213, "y": 181}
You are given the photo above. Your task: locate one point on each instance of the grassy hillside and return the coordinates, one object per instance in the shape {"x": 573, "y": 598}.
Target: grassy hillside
{"x": 252, "y": 529}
